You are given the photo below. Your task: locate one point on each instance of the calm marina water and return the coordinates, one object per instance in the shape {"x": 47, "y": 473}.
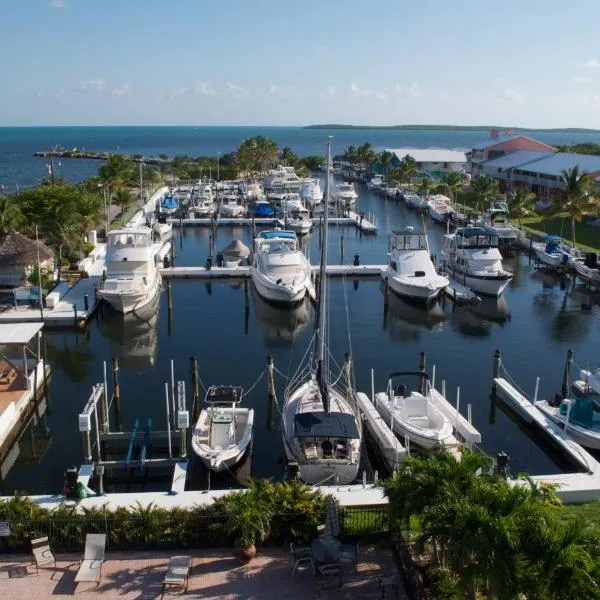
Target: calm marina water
{"x": 534, "y": 324}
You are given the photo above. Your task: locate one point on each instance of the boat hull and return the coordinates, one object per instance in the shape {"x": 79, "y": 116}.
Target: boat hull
{"x": 130, "y": 301}
{"x": 581, "y": 435}
{"x": 419, "y": 293}
{"x": 280, "y": 294}
{"x": 487, "y": 285}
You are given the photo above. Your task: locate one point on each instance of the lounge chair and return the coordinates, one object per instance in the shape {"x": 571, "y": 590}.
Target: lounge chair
{"x": 90, "y": 566}
{"x": 349, "y": 555}
{"x": 42, "y": 554}
{"x": 178, "y": 572}
{"x": 301, "y": 555}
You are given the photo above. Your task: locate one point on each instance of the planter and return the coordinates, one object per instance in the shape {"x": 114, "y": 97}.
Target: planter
{"x": 245, "y": 554}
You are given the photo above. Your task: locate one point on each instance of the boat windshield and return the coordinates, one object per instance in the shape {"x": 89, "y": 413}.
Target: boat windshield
{"x": 475, "y": 238}
{"x": 129, "y": 239}
{"x": 408, "y": 241}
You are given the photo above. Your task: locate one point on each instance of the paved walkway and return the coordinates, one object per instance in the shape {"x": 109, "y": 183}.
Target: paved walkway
{"x": 215, "y": 575}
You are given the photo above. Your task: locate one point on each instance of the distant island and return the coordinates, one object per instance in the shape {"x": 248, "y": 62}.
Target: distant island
{"x": 452, "y": 128}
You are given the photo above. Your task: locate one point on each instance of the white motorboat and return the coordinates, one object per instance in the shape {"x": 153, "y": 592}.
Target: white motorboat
{"x": 321, "y": 429}
{"x": 223, "y": 432}
{"x": 311, "y": 192}
{"x": 416, "y": 201}
{"x": 297, "y": 219}
{"x": 413, "y": 414}
{"x": 345, "y": 194}
{"x": 497, "y": 222}
{"x": 588, "y": 268}
{"x": 591, "y": 380}
{"x": 282, "y": 177}
{"x": 132, "y": 269}
{"x": 168, "y": 204}
{"x": 162, "y": 230}
{"x": 280, "y": 271}
{"x": 229, "y": 206}
{"x": 410, "y": 271}
{"x": 553, "y": 253}
{"x": 440, "y": 208}
{"x": 202, "y": 203}
{"x": 253, "y": 191}
{"x": 374, "y": 184}
{"x": 472, "y": 258}
{"x": 578, "y": 417}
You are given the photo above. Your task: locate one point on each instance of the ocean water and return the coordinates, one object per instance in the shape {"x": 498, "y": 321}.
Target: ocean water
{"x": 18, "y": 167}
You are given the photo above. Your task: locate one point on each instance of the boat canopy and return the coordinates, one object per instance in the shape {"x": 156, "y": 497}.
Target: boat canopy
{"x": 582, "y": 411}
{"x": 272, "y": 235}
{"x": 224, "y": 394}
{"x": 469, "y": 232}
{"x": 552, "y": 238}
{"x": 552, "y": 244}
{"x": 169, "y": 202}
{"x": 325, "y": 424}
{"x": 475, "y": 237}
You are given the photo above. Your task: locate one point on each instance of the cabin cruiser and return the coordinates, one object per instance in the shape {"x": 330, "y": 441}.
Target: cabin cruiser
{"x": 472, "y": 258}
{"x": 440, "y": 208}
{"x": 413, "y": 414}
{"x": 223, "y": 432}
{"x": 321, "y": 428}
{"x": 345, "y": 194}
{"x": 162, "y": 230}
{"x": 132, "y": 270}
{"x": 416, "y": 201}
{"x": 253, "y": 191}
{"x": 497, "y": 222}
{"x": 311, "y": 193}
{"x": 374, "y": 184}
{"x": 410, "y": 271}
{"x": 229, "y": 206}
{"x": 296, "y": 219}
{"x": 280, "y": 271}
{"x": 169, "y": 204}
{"x": 284, "y": 177}
{"x": 588, "y": 268}
{"x": 202, "y": 204}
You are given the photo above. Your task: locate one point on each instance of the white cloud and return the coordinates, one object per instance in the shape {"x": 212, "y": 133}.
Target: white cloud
{"x": 237, "y": 91}
{"x": 57, "y": 4}
{"x": 122, "y": 89}
{"x": 592, "y": 63}
{"x": 283, "y": 91}
{"x": 328, "y": 92}
{"x": 94, "y": 85}
{"x": 398, "y": 88}
{"x": 359, "y": 92}
{"x": 204, "y": 89}
{"x": 415, "y": 90}
{"x": 511, "y": 94}
{"x": 581, "y": 80}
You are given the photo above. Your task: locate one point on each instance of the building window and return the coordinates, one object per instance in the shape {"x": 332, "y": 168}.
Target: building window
{"x": 445, "y": 166}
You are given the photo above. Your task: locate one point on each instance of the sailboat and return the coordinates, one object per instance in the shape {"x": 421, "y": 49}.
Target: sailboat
{"x": 321, "y": 430}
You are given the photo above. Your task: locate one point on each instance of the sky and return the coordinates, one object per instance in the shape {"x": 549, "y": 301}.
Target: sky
{"x": 531, "y": 63}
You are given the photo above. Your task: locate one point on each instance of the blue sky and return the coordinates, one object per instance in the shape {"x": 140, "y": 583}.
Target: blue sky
{"x": 266, "y": 62}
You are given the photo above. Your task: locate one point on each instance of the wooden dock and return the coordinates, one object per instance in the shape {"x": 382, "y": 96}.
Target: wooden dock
{"x": 243, "y": 272}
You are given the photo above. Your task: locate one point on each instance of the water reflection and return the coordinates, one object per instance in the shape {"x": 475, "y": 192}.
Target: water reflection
{"x": 476, "y": 320}
{"x": 133, "y": 336}
{"x": 405, "y": 320}
{"x": 281, "y": 324}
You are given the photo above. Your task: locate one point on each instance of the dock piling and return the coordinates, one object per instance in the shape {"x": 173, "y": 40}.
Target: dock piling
{"x": 567, "y": 373}
{"x": 172, "y": 254}
{"x": 75, "y": 315}
{"x": 341, "y": 250}
{"x": 422, "y": 372}
{"x": 168, "y": 420}
{"x": 496, "y": 371}
{"x": 86, "y": 302}
{"x": 104, "y": 402}
{"x": 195, "y": 389}
{"x": 116, "y": 392}
{"x": 270, "y": 379}
{"x": 246, "y": 308}
{"x": 169, "y": 308}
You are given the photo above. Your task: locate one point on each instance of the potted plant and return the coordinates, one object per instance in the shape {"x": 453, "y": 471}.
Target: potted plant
{"x": 249, "y": 519}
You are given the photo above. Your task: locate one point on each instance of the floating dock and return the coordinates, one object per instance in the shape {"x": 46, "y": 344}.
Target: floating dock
{"x": 461, "y": 425}
{"x": 390, "y": 448}
{"x": 242, "y": 272}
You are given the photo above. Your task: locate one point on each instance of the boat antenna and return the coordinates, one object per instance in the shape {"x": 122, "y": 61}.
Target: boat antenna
{"x": 320, "y": 346}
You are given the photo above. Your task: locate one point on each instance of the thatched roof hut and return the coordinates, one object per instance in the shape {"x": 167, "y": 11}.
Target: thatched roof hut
{"x": 18, "y": 249}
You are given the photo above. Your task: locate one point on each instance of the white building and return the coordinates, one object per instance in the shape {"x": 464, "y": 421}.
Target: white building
{"x": 432, "y": 161}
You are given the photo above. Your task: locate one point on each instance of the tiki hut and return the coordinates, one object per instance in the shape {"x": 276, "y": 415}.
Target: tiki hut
{"x": 19, "y": 256}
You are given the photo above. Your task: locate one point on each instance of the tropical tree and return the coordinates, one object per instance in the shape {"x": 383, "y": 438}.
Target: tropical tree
{"x": 384, "y": 160}
{"x": 351, "y": 155}
{"x": 575, "y": 196}
{"x": 124, "y": 199}
{"x": 10, "y": 214}
{"x": 406, "y": 170}
{"x": 484, "y": 188}
{"x": 115, "y": 173}
{"x": 452, "y": 183}
{"x": 288, "y": 157}
{"x": 256, "y": 154}
{"x": 366, "y": 156}
{"x": 520, "y": 203}
{"x": 424, "y": 185}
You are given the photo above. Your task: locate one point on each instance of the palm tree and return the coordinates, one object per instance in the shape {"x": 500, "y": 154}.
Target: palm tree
{"x": 288, "y": 157}
{"x": 424, "y": 185}
{"x": 10, "y": 214}
{"x": 351, "y": 155}
{"x": 366, "y": 155}
{"x": 484, "y": 188}
{"x": 406, "y": 170}
{"x": 520, "y": 203}
{"x": 124, "y": 199}
{"x": 384, "y": 159}
{"x": 575, "y": 197}
{"x": 452, "y": 183}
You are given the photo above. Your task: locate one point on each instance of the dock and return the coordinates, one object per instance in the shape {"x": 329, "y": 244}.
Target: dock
{"x": 461, "y": 425}
{"x": 460, "y": 294}
{"x": 242, "y": 272}
{"x": 389, "y": 446}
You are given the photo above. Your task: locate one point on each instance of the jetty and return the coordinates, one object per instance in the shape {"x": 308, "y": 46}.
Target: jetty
{"x": 90, "y": 155}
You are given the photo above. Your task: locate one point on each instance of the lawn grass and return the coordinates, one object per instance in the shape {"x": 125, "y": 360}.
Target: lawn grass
{"x": 587, "y": 235}
{"x": 589, "y": 513}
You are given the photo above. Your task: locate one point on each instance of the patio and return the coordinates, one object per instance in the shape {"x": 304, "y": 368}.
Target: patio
{"x": 214, "y": 575}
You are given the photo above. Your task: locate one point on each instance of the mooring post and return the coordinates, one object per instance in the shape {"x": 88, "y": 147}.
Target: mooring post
{"x": 321, "y": 230}
{"x": 270, "y": 379}
{"x": 496, "y": 371}
{"x": 75, "y": 315}
{"x": 422, "y": 373}
{"x": 195, "y": 389}
{"x": 341, "y": 250}
{"x": 169, "y": 308}
{"x": 116, "y": 391}
{"x": 86, "y": 302}
{"x": 246, "y": 308}
{"x": 172, "y": 254}
{"x": 104, "y": 402}
{"x": 567, "y": 373}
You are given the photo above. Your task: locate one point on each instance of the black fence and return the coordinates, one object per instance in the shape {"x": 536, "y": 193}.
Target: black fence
{"x": 177, "y": 530}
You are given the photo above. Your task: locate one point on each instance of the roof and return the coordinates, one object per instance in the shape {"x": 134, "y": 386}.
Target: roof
{"x": 554, "y": 164}
{"x": 494, "y": 141}
{"x": 325, "y": 424}
{"x": 18, "y": 333}
{"x": 422, "y": 155}
{"x": 515, "y": 160}
{"x": 18, "y": 249}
